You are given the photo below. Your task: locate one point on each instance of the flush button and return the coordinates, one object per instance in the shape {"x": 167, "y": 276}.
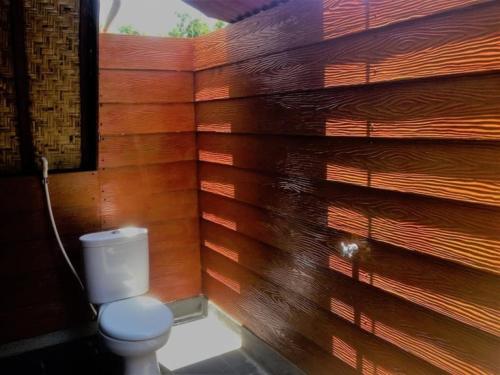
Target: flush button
{"x": 116, "y": 231}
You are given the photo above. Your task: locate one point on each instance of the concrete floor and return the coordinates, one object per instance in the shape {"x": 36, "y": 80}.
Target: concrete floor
{"x": 206, "y": 346}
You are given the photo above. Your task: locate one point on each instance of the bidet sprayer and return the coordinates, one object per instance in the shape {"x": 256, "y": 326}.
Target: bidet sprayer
{"x": 45, "y": 183}
{"x": 45, "y": 169}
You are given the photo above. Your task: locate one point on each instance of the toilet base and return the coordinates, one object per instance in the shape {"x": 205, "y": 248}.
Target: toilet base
{"x": 139, "y": 357}
{"x": 144, "y": 365}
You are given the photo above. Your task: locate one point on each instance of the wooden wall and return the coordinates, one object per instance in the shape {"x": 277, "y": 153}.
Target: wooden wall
{"x": 147, "y": 155}
{"x": 147, "y": 176}
{"x": 376, "y": 122}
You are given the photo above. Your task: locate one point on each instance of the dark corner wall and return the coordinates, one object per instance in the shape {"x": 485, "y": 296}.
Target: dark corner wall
{"x": 324, "y": 124}
{"x": 146, "y": 175}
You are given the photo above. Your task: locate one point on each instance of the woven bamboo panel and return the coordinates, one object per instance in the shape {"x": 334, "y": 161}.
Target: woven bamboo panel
{"x": 10, "y": 158}
{"x": 52, "y": 41}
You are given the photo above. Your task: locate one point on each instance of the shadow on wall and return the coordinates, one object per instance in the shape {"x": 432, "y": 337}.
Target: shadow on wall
{"x": 268, "y": 173}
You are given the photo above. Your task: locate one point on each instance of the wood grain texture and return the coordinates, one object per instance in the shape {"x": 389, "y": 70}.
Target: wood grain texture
{"x": 466, "y": 235}
{"x": 51, "y": 287}
{"x": 25, "y": 193}
{"x": 163, "y": 198}
{"x": 158, "y": 208}
{"x": 75, "y": 198}
{"x": 145, "y": 52}
{"x": 175, "y": 258}
{"x": 433, "y": 169}
{"x": 455, "y": 43}
{"x": 365, "y": 122}
{"x": 34, "y": 255}
{"x": 280, "y": 28}
{"x": 386, "y": 12}
{"x": 334, "y": 335}
{"x": 456, "y": 108}
{"x": 147, "y": 176}
{"x": 152, "y": 179}
{"x": 173, "y": 234}
{"x": 274, "y": 330}
{"x": 148, "y": 173}
{"x": 133, "y": 194}
{"x": 36, "y": 284}
{"x": 446, "y": 344}
{"x": 45, "y": 318}
{"x": 117, "y": 151}
{"x": 175, "y": 272}
{"x": 458, "y": 292}
{"x": 138, "y": 86}
{"x": 126, "y": 119}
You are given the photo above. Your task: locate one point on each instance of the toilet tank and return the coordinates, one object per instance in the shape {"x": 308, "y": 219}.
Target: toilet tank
{"x": 116, "y": 264}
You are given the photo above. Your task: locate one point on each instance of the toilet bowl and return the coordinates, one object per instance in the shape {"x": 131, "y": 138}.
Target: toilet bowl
{"x": 135, "y": 328}
{"x": 131, "y": 324}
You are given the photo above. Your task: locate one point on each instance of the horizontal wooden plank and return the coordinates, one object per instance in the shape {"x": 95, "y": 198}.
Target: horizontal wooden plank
{"x": 176, "y": 273}
{"x": 444, "y": 343}
{"x": 275, "y": 331}
{"x": 280, "y": 29}
{"x": 163, "y": 189}
{"x": 465, "y": 235}
{"x": 40, "y": 295}
{"x": 25, "y": 193}
{"x": 145, "y": 52}
{"x": 147, "y": 179}
{"x": 386, "y": 12}
{"x": 117, "y": 119}
{"x": 334, "y": 335}
{"x": 34, "y": 290}
{"x": 454, "y": 43}
{"x": 79, "y": 189}
{"x": 117, "y": 151}
{"x": 434, "y": 169}
{"x": 20, "y": 193}
{"x": 174, "y": 248}
{"x": 35, "y": 225}
{"x": 464, "y": 294}
{"x": 39, "y": 320}
{"x": 173, "y": 233}
{"x": 36, "y": 255}
{"x": 456, "y": 108}
{"x": 39, "y": 284}
{"x": 143, "y": 210}
{"x": 139, "y": 86}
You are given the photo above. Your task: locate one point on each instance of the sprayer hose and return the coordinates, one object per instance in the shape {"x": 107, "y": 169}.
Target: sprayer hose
{"x": 59, "y": 242}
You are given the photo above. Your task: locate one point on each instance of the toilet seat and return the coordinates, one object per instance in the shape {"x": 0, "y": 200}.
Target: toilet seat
{"x": 135, "y": 319}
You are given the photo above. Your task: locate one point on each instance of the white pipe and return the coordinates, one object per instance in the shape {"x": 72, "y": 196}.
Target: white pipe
{"x": 45, "y": 183}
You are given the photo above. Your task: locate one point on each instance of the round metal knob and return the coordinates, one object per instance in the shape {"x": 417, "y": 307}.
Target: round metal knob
{"x": 348, "y": 249}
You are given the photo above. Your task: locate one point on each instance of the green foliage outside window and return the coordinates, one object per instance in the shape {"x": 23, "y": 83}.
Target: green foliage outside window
{"x": 128, "y": 29}
{"x": 188, "y": 27}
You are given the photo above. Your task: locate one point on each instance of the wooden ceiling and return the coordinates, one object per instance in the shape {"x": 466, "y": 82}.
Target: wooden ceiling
{"x": 232, "y": 10}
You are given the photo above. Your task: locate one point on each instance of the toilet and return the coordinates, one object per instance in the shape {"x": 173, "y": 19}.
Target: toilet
{"x": 131, "y": 324}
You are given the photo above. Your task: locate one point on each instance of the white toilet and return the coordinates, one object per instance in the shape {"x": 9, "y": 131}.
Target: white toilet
{"x": 131, "y": 324}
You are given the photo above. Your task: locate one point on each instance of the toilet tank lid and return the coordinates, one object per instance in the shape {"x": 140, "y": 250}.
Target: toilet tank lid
{"x": 113, "y": 237}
